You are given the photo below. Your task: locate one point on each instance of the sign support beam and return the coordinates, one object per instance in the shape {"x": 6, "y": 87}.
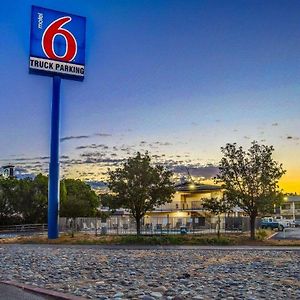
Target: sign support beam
{"x": 53, "y": 187}
{"x": 45, "y": 58}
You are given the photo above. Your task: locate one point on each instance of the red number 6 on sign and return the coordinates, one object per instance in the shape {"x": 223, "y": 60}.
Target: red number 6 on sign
{"x": 54, "y": 29}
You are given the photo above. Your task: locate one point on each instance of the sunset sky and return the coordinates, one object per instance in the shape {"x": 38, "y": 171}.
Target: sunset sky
{"x": 177, "y": 78}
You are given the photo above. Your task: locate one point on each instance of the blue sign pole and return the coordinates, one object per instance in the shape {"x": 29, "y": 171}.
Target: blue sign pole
{"x": 62, "y": 57}
{"x": 53, "y": 194}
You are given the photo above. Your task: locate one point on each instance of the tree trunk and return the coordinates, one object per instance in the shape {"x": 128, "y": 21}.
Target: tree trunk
{"x": 96, "y": 226}
{"x": 252, "y": 226}
{"x": 73, "y": 226}
{"x": 218, "y": 226}
{"x": 138, "y": 225}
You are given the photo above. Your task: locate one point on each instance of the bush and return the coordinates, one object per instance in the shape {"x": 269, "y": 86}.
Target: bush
{"x": 173, "y": 240}
{"x": 261, "y": 234}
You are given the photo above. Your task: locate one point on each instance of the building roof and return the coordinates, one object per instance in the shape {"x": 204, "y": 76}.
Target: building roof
{"x": 293, "y": 198}
{"x": 196, "y": 187}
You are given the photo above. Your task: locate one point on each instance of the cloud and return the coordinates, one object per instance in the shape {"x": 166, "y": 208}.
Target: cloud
{"x": 104, "y": 160}
{"x": 206, "y": 172}
{"x": 163, "y": 143}
{"x": 21, "y": 170}
{"x": 275, "y": 124}
{"x": 92, "y": 146}
{"x": 74, "y": 137}
{"x": 64, "y": 157}
{"x": 290, "y": 137}
{"x": 92, "y": 154}
{"x": 78, "y": 137}
{"x": 103, "y": 134}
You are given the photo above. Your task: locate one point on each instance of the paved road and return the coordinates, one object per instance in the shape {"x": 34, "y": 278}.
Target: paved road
{"x": 10, "y": 292}
{"x": 288, "y": 234}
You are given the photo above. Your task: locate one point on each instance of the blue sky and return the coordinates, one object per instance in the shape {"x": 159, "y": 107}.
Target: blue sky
{"x": 177, "y": 78}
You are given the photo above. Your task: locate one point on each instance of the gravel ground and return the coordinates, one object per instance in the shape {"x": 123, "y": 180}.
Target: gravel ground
{"x": 155, "y": 274}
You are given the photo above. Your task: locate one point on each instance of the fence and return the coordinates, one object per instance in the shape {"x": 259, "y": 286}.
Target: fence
{"x": 240, "y": 223}
{"x": 23, "y": 229}
{"x": 121, "y": 225}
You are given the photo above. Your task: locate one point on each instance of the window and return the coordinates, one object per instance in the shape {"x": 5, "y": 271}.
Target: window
{"x": 286, "y": 206}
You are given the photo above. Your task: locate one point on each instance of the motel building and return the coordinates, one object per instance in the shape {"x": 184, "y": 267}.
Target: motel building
{"x": 185, "y": 209}
{"x": 291, "y": 208}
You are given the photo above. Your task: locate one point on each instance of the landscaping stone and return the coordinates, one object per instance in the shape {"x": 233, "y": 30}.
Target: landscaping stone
{"x": 161, "y": 289}
{"x": 155, "y": 274}
{"x": 156, "y": 295}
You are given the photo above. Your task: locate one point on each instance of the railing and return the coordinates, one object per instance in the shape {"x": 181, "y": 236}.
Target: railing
{"x": 286, "y": 211}
{"x": 158, "y": 225}
{"x": 180, "y": 205}
{"x": 23, "y": 228}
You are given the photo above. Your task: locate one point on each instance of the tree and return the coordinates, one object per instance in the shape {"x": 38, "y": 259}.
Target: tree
{"x": 23, "y": 201}
{"x": 250, "y": 179}
{"x": 78, "y": 200}
{"x": 32, "y": 202}
{"x": 8, "y": 200}
{"x": 111, "y": 201}
{"x": 139, "y": 186}
{"x": 217, "y": 207}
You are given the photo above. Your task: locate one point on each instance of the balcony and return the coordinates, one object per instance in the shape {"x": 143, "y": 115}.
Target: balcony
{"x": 180, "y": 206}
{"x": 286, "y": 211}
{"x": 290, "y": 211}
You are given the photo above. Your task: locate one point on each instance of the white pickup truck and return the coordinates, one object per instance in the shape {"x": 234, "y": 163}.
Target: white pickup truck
{"x": 276, "y": 222}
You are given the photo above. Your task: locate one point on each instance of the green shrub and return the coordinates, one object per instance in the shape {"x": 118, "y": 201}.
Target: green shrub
{"x": 173, "y": 240}
{"x": 261, "y": 234}
{"x": 222, "y": 241}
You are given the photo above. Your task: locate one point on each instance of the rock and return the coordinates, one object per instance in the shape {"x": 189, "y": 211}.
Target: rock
{"x": 184, "y": 276}
{"x": 146, "y": 297}
{"x": 160, "y": 274}
{"x": 156, "y": 294}
{"x": 118, "y": 295}
{"x": 161, "y": 289}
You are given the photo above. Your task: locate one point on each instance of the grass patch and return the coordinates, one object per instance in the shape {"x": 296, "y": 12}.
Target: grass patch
{"x": 228, "y": 239}
{"x": 88, "y": 239}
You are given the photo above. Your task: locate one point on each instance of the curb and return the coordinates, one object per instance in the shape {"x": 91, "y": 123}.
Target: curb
{"x": 41, "y": 291}
{"x": 272, "y": 235}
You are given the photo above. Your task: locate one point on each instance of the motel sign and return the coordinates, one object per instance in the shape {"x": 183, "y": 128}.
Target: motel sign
{"x": 57, "y": 49}
{"x": 57, "y": 43}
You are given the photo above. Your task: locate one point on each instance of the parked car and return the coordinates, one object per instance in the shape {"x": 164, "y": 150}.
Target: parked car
{"x": 297, "y": 223}
{"x": 287, "y": 222}
{"x": 275, "y": 223}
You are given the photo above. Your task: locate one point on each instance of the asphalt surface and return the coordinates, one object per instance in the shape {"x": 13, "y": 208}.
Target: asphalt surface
{"x": 288, "y": 234}
{"x": 8, "y": 292}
